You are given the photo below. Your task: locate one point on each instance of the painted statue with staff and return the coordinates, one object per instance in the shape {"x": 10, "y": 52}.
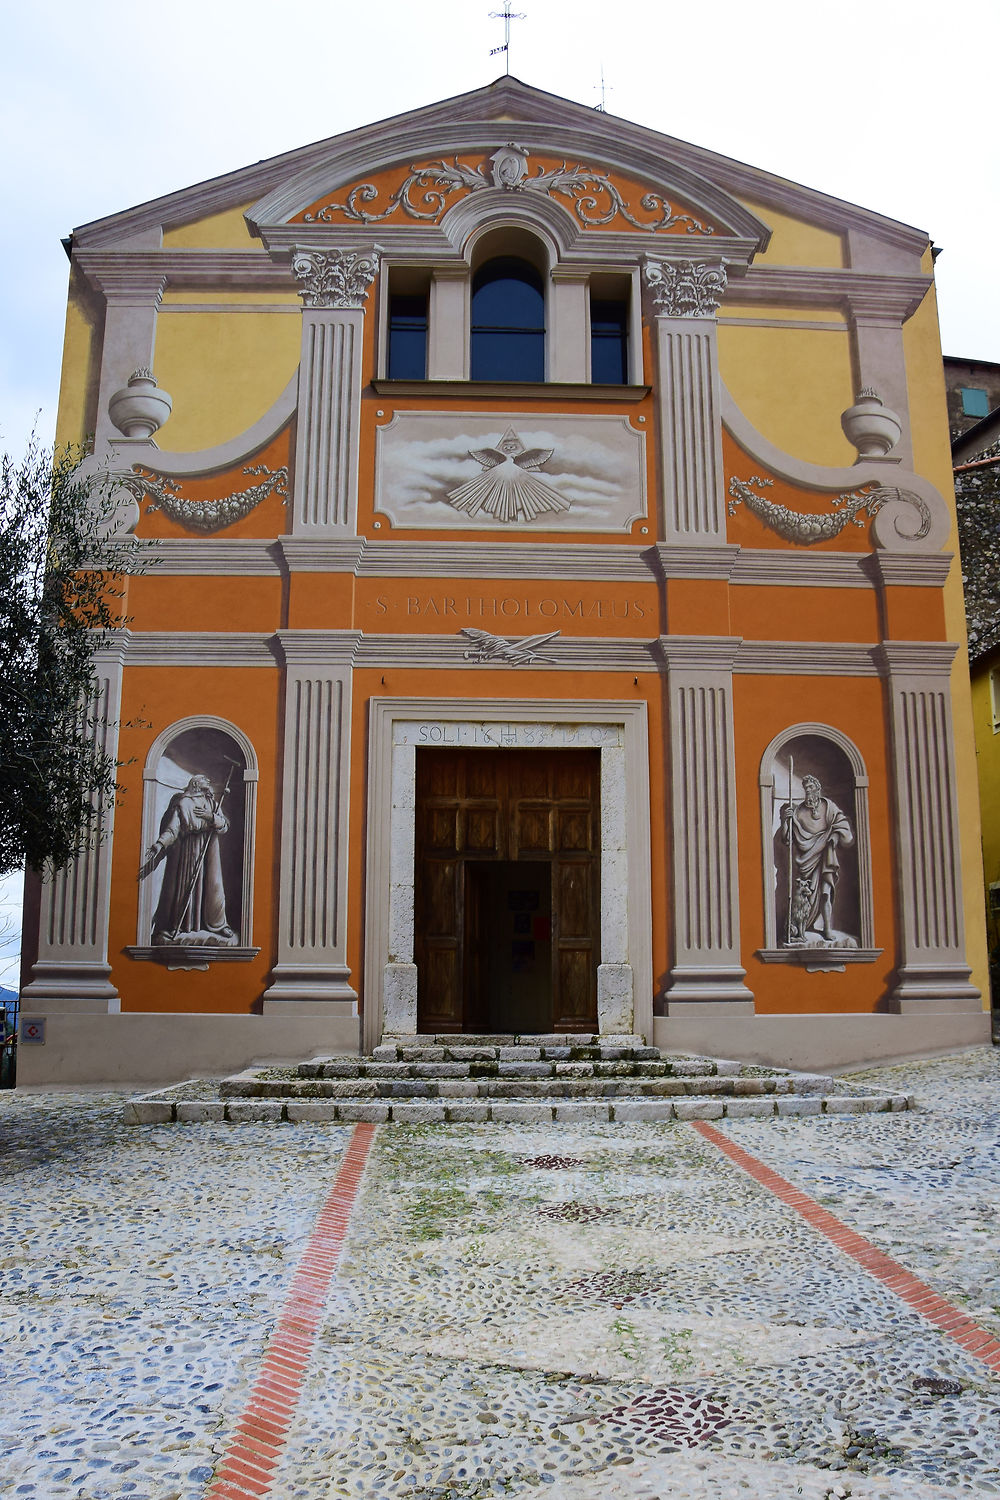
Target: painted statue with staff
{"x": 813, "y": 830}
{"x": 192, "y": 904}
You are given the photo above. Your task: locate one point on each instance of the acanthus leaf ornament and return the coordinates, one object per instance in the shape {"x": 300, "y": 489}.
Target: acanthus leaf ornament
{"x": 424, "y": 194}
{"x": 805, "y": 528}
{"x": 335, "y": 278}
{"x": 685, "y": 288}
{"x": 164, "y": 494}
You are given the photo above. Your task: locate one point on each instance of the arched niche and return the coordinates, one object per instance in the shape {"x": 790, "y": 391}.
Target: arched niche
{"x": 214, "y": 923}
{"x": 816, "y": 861}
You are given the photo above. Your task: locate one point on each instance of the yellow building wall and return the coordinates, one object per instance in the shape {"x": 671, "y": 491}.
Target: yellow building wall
{"x": 988, "y": 765}
{"x": 223, "y": 370}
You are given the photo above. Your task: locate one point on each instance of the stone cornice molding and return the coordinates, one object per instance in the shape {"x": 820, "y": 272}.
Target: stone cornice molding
{"x": 699, "y": 654}
{"x": 899, "y": 526}
{"x": 317, "y": 648}
{"x": 246, "y": 270}
{"x": 185, "y": 557}
{"x": 510, "y": 560}
{"x": 335, "y": 278}
{"x": 919, "y": 659}
{"x": 572, "y": 654}
{"x": 554, "y": 390}
{"x": 863, "y": 295}
{"x": 684, "y": 287}
{"x": 112, "y": 648}
{"x": 200, "y": 648}
{"x": 678, "y": 560}
{"x": 806, "y": 658}
{"x": 126, "y": 283}
{"x": 900, "y": 569}
{"x": 765, "y": 566}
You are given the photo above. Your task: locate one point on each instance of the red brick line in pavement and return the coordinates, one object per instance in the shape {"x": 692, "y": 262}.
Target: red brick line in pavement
{"x": 251, "y": 1460}
{"x": 916, "y": 1293}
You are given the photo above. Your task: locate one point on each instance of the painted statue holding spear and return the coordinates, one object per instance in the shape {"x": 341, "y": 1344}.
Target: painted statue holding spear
{"x": 813, "y": 830}
{"x": 192, "y": 904}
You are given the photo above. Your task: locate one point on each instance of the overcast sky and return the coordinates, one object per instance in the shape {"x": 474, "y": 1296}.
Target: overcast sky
{"x": 890, "y": 105}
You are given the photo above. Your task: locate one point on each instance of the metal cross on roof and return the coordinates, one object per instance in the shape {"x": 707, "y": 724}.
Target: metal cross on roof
{"x": 506, "y": 16}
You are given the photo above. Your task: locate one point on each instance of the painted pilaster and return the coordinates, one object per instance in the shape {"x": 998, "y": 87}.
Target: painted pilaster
{"x": 686, "y": 295}
{"x": 334, "y": 287}
{"x": 132, "y": 299}
{"x": 312, "y": 973}
{"x": 448, "y": 330}
{"x": 72, "y": 972}
{"x": 932, "y": 973}
{"x": 706, "y": 976}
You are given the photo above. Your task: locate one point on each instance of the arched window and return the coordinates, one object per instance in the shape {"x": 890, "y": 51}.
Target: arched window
{"x": 508, "y": 321}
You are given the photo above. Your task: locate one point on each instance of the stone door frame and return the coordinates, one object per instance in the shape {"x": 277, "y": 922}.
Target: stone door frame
{"x": 397, "y": 727}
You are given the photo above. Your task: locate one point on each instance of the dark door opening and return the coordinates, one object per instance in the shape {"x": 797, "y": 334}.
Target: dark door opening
{"x": 507, "y": 898}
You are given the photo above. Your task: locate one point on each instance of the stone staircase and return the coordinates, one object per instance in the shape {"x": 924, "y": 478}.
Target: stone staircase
{"x": 530, "y": 1079}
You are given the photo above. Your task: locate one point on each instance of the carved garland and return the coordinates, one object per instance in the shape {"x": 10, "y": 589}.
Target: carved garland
{"x": 206, "y": 515}
{"x": 805, "y": 528}
{"x": 595, "y": 198}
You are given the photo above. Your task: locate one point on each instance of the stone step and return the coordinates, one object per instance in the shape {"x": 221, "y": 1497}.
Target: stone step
{"x": 546, "y": 1068}
{"x": 163, "y": 1110}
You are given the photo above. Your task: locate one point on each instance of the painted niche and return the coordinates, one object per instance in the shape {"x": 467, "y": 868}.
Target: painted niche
{"x": 817, "y": 850}
{"x": 196, "y": 865}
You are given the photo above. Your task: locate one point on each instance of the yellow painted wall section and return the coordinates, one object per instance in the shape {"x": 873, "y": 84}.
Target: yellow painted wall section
{"x": 750, "y": 310}
{"x": 223, "y": 371}
{"x": 191, "y": 298}
{"x": 222, "y": 231}
{"x": 792, "y": 384}
{"x": 78, "y": 381}
{"x": 932, "y": 458}
{"x": 796, "y": 243}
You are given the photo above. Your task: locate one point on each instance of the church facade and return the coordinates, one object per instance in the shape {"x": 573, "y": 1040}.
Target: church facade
{"x": 546, "y": 617}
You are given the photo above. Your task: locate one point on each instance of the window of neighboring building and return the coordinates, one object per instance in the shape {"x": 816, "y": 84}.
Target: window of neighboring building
{"x": 407, "y": 336}
{"x": 975, "y": 403}
{"x": 608, "y": 341}
{"x": 508, "y": 321}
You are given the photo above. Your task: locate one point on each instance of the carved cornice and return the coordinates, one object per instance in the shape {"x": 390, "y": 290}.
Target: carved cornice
{"x": 676, "y": 560}
{"x": 200, "y": 648}
{"x": 252, "y": 270}
{"x": 335, "y": 278}
{"x": 700, "y": 654}
{"x": 863, "y": 295}
{"x": 318, "y": 648}
{"x": 125, "y": 283}
{"x": 511, "y": 560}
{"x": 554, "y": 390}
{"x": 769, "y": 566}
{"x": 684, "y": 288}
{"x": 900, "y": 569}
{"x": 574, "y": 654}
{"x": 806, "y": 658}
{"x": 181, "y": 557}
{"x": 916, "y": 659}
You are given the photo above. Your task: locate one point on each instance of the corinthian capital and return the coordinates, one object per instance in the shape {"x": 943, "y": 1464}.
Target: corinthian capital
{"x": 685, "y": 288}
{"x": 335, "y": 278}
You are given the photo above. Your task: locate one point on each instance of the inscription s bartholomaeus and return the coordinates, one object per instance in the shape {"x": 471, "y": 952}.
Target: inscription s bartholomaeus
{"x": 460, "y": 606}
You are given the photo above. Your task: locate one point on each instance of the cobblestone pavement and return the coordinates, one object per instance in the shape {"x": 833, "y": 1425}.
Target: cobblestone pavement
{"x": 583, "y": 1311}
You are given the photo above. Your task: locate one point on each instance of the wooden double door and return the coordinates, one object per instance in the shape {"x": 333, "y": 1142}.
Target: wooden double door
{"x": 507, "y": 900}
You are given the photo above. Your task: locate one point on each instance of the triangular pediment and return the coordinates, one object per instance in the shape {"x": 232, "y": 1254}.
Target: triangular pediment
{"x": 702, "y": 184}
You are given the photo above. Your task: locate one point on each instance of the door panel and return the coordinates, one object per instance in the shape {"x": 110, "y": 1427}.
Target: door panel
{"x": 478, "y": 809}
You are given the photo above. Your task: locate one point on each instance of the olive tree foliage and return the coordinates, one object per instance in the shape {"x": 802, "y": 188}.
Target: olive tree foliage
{"x": 977, "y": 492}
{"x": 62, "y": 584}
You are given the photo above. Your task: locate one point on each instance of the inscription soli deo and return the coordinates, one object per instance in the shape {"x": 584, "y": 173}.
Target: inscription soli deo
{"x": 460, "y": 606}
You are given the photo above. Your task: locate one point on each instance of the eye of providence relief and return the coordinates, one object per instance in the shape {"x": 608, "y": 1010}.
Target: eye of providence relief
{"x": 462, "y": 470}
